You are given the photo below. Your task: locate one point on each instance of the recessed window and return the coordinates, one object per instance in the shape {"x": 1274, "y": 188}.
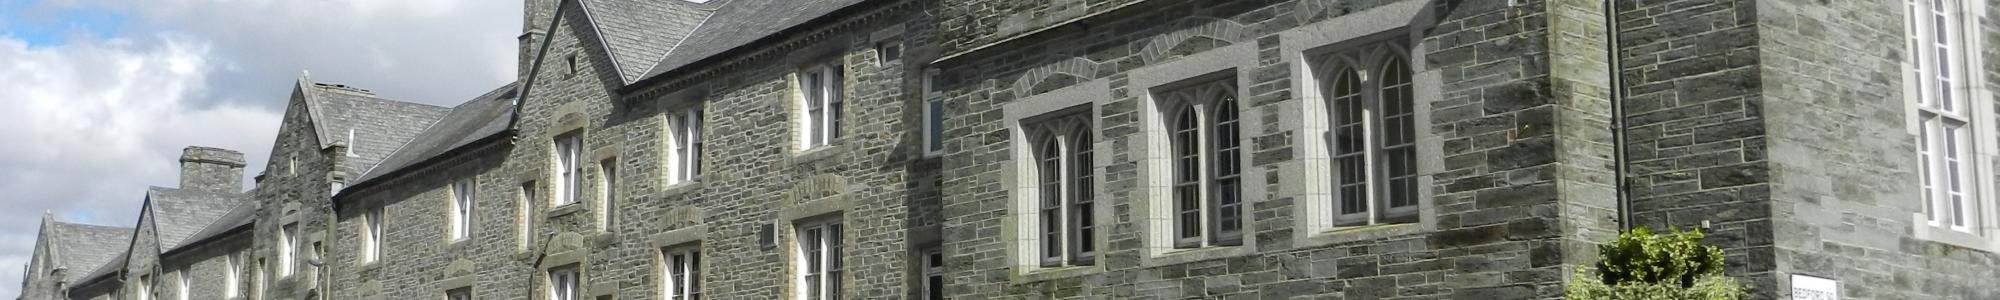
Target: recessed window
{"x": 684, "y": 155}
{"x": 144, "y": 288}
{"x": 681, "y": 275}
{"x": 889, "y": 50}
{"x": 820, "y": 115}
{"x": 232, "y": 267}
{"x": 563, "y": 284}
{"x": 1206, "y": 157}
{"x": 818, "y": 263}
{"x": 181, "y": 284}
{"x": 607, "y": 198}
{"x": 571, "y": 60}
{"x": 257, "y": 286}
{"x": 462, "y": 193}
{"x": 1371, "y": 137}
{"x": 371, "y": 235}
{"x": 933, "y": 288}
{"x": 933, "y": 115}
{"x": 1937, "y": 62}
{"x": 288, "y": 242}
{"x": 523, "y": 228}
{"x": 569, "y": 168}
{"x": 458, "y": 294}
{"x": 1065, "y": 188}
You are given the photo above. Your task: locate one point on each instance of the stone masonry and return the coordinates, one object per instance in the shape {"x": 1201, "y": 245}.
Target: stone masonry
{"x": 1778, "y": 127}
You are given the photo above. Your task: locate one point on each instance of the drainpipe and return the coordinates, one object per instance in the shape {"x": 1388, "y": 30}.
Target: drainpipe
{"x": 1614, "y": 61}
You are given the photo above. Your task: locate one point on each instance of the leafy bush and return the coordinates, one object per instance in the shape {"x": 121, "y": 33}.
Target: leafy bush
{"x": 1642, "y": 266}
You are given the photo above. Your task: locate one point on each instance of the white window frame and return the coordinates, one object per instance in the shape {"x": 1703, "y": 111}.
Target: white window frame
{"x": 1204, "y": 98}
{"x": 464, "y": 193}
{"x": 1368, "y": 67}
{"x": 565, "y": 283}
{"x": 182, "y": 277}
{"x": 1071, "y": 134}
{"x": 231, "y": 268}
{"x": 824, "y": 240}
{"x": 371, "y": 235}
{"x": 684, "y": 129}
{"x": 680, "y": 273}
{"x": 607, "y": 191}
{"x": 143, "y": 290}
{"x": 1948, "y": 116}
{"x": 569, "y": 169}
{"x": 933, "y": 115}
{"x": 523, "y": 221}
{"x": 821, "y": 104}
{"x": 287, "y": 248}
{"x": 261, "y": 280}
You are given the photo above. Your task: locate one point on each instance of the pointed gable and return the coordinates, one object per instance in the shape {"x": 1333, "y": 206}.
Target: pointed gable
{"x": 83, "y": 247}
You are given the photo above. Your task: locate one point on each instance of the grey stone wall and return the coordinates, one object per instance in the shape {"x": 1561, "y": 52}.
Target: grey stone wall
{"x": 754, "y": 179}
{"x": 206, "y": 264}
{"x": 1844, "y": 169}
{"x": 1695, "y": 128}
{"x": 1493, "y": 117}
{"x": 294, "y": 188}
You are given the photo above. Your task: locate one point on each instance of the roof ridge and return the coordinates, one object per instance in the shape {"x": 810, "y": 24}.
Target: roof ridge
{"x": 677, "y": 43}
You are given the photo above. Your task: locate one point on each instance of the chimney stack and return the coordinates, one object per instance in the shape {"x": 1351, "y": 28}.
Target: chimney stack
{"x": 211, "y": 169}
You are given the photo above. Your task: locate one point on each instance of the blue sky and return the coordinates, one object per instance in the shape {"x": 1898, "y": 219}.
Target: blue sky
{"x": 103, "y": 94}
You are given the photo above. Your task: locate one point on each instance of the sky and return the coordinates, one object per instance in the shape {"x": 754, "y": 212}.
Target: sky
{"x": 98, "y": 97}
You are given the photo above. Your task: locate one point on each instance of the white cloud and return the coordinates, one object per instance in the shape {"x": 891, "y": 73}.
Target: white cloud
{"x": 86, "y": 125}
{"x": 91, "y": 124}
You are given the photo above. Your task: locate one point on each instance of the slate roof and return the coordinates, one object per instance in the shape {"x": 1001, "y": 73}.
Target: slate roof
{"x": 639, "y": 33}
{"x": 379, "y": 126}
{"x": 85, "y": 247}
{"x": 179, "y": 214}
{"x": 476, "y": 119}
{"x": 739, "y": 23}
{"x": 238, "y": 217}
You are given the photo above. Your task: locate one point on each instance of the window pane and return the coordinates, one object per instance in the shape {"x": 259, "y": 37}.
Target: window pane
{"x": 1082, "y": 194}
{"x": 934, "y": 116}
{"x": 1346, "y": 141}
{"x": 1399, "y": 141}
{"x": 834, "y": 101}
{"x": 1227, "y": 201}
{"x": 1187, "y": 170}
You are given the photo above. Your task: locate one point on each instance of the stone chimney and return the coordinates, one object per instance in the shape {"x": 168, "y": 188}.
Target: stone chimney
{"x": 535, "y": 18}
{"x": 211, "y": 169}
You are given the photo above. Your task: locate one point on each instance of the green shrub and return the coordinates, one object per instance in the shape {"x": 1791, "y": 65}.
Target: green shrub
{"x": 1642, "y": 266}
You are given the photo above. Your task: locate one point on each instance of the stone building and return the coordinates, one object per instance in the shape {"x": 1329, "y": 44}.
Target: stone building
{"x": 1128, "y": 149}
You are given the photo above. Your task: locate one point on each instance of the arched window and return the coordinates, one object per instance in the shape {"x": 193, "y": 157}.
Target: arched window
{"x": 1064, "y": 182}
{"x": 1399, "y": 140}
{"x": 1083, "y": 190}
{"x": 1371, "y": 139}
{"x": 1051, "y": 167}
{"x": 1207, "y": 157}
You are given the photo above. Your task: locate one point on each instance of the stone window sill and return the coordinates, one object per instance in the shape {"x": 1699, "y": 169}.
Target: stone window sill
{"x": 1038, "y": 273}
{"x": 683, "y": 187}
{"x": 817, "y": 153}
{"x": 565, "y": 210}
{"x": 369, "y": 265}
{"x": 1342, "y": 235}
{"x": 1182, "y": 256}
{"x": 1924, "y": 231}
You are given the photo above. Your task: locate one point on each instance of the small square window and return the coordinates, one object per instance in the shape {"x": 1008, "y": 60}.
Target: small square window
{"x": 889, "y": 50}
